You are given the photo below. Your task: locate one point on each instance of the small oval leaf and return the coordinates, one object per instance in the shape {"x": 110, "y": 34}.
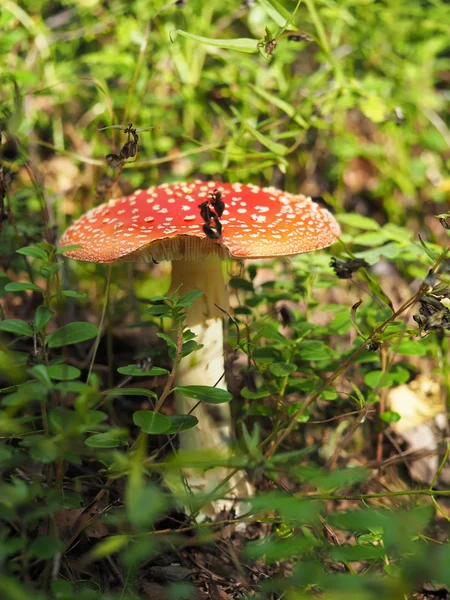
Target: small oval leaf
{"x": 247, "y": 45}
{"x": 33, "y": 252}
{"x": 205, "y": 393}
{"x": 41, "y": 317}
{"x": 135, "y": 371}
{"x": 17, "y": 327}
{"x": 22, "y": 286}
{"x": 151, "y": 422}
{"x": 63, "y": 372}
{"x": 130, "y": 392}
{"x": 109, "y": 439}
{"x": 181, "y": 423}
{"x": 72, "y": 333}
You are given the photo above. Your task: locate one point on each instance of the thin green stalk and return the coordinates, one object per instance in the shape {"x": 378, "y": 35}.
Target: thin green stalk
{"x": 324, "y": 40}
{"x": 441, "y": 466}
{"x": 439, "y": 508}
{"x": 102, "y": 320}
{"x": 422, "y": 492}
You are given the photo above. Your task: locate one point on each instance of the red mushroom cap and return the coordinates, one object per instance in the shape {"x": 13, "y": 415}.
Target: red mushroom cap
{"x": 165, "y": 223}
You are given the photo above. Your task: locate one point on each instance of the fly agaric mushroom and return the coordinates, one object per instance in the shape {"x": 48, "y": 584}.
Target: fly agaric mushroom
{"x": 195, "y": 225}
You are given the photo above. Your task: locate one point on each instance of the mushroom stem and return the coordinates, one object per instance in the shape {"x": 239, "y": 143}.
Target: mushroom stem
{"x": 205, "y": 366}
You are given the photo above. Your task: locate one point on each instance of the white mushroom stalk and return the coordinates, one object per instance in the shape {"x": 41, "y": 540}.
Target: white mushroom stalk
{"x": 206, "y": 366}
{"x": 194, "y": 225}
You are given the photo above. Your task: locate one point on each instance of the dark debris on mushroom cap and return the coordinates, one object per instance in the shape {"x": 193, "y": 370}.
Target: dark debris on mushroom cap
{"x": 164, "y": 222}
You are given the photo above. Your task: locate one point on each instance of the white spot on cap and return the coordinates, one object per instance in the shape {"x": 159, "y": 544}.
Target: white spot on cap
{"x": 259, "y": 218}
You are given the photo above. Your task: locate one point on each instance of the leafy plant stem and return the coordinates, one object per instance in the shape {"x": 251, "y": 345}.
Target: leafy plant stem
{"x": 281, "y": 436}
{"x": 381, "y": 409}
{"x": 168, "y": 387}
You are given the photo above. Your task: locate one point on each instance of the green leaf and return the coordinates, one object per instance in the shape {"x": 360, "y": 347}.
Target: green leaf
{"x": 334, "y": 480}
{"x": 376, "y": 288}
{"x": 44, "y": 450}
{"x": 144, "y": 505}
{"x": 430, "y": 253}
{"x": 72, "y": 294}
{"x": 393, "y": 570}
{"x": 19, "y": 286}
{"x": 62, "y": 589}
{"x": 374, "y": 108}
{"x": 159, "y": 310}
{"x": 109, "y": 439}
{"x": 45, "y": 547}
{"x": 357, "y": 553}
{"x": 41, "y": 317}
{"x": 130, "y": 392}
{"x": 181, "y": 423}
{"x": 313, "y": 350}
{"x": 410, "y": 348}
{"x": 390, "y": 416}
{"x": 371, "y": 238}
{"x": 205, "y": 393}
{"x": 109, "y": 546}
{"x": 247, "y": 45}
{"x": 398, "y": 234}
{"x": 63, "y": 372}
{"x": 246, "y": 393}
{"x": 189, "y": 298}
{"x": 135, "y": 371}
{"x": 274, "y": 550}
{"x": 67, "y": 248}
{"x": 40, "y": 373}
{"x": 151, "y": 422}
{"x": 358, "y": 221}
{"x": 238, "y": 283}
{"x": 33, "y": 252}
{"x": 270, "y": 332}
{"x": 378, "y": 379}
{"x": 281, "y": 104}
{"x": 63, "y": 419}
{"x": 282, "y": 369}
{"x": 287, "y": 505}
{"x": 278, "y": 13}
{"x": 17, "y": 327}
{"x": 26, "y": 393}
{"x": 72, "y": 387}
{"x": 72, "y": 333}
{"x": 266, "y": 141}
{"x": 169, "y": 341}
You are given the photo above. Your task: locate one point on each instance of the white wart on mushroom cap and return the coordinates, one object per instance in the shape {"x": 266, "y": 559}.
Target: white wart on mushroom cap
{"x": 164, "y": 223}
